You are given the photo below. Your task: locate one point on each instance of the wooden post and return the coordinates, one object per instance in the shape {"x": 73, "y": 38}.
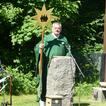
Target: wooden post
{"x": 104, "y": 49}
{"x": 40, "y": 63}
{"x": 41, "y": 54}
{"x": 10, "y": 79}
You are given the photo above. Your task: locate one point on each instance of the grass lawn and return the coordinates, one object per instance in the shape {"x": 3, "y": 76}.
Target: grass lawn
{"x": 87, "y": 101}
{"x": 23, "y": 100}
{"x": 29, "y": 100}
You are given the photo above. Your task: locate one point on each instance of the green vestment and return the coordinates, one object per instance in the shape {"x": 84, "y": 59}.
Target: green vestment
{"x": 52, "y": 47}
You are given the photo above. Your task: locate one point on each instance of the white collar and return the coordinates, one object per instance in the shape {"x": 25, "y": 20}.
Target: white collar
{"x": 55, "y": 35}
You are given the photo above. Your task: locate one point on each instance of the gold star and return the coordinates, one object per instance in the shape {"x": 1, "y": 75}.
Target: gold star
{"x": 44, "y": 17}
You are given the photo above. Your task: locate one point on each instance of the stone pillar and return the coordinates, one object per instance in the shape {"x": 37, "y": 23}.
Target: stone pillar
{"x": 99, "y": 94}
{"x": 61, "y": 78}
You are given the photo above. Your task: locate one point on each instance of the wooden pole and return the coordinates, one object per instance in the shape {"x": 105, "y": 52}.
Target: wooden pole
{"x": 104, "y": 48}
{"x": 10, "y": 90}
{"x": 41, "y": 54}
{"x": 105, "y": 43}
{"x": 40, "y": 64}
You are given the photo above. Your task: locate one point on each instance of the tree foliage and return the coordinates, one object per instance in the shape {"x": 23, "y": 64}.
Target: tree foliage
{"x": 82, "y": 24}
{"x": 19, "y": 15}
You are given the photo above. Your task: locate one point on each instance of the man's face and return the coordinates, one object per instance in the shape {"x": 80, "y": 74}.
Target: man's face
{"x": 56, "y": 29}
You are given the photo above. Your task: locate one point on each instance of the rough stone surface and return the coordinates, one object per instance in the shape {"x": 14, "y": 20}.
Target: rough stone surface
{"x": 61, "y": 78}
{"x": 99, "y": 94}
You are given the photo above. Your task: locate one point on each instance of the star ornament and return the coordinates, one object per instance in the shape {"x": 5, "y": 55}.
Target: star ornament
{"x": 44, "y": 17}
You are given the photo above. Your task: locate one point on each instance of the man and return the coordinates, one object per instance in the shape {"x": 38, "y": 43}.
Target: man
{"x": 54, "y": 44}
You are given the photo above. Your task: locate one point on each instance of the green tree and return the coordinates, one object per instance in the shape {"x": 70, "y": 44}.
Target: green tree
{"x": 18, "y": 26}
{"x": 82, "y": 24}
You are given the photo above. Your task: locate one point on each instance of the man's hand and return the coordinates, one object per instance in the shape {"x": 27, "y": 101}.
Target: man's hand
{"x": 41, "y": 45}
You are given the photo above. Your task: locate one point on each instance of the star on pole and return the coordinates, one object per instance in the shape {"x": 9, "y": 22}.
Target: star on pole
{"x": 44, "y": 17}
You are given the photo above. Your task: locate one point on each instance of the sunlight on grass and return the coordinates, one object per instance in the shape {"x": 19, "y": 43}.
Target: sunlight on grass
{"x": 23, "y": 100}
{"x": 87, "y": 101}
{"x": 30, "y": 100}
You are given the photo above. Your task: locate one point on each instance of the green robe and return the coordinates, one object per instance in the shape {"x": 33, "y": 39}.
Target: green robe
{"x": 52, "y": 47}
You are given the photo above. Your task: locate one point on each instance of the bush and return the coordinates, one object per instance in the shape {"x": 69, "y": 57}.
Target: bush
{"x": 85, "y": 89}
{"x": 22, "y": 83}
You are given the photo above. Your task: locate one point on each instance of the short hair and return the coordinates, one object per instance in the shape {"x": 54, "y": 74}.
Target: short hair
{"x": 57, "y": 23}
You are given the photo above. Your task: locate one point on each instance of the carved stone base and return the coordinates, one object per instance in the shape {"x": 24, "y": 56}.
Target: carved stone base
{"x": 61, "y": 78}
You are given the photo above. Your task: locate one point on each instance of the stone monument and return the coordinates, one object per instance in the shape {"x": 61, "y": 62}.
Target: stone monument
{"x": 61, "y": 78}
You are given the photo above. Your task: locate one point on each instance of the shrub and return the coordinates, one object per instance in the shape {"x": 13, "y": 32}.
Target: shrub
{"x": 84, "y": 89}
{"x": 22, "y": 83}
